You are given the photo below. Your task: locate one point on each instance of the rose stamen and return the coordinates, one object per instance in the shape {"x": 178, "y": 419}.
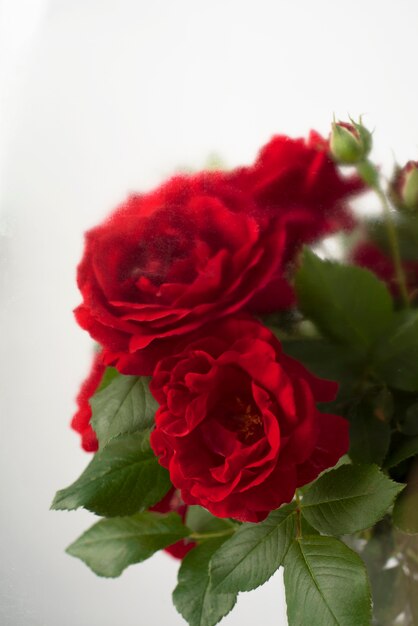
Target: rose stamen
{"x": 248, "y": 421}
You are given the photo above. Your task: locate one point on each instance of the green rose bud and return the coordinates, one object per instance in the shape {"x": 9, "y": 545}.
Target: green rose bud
{"x": 349, "y": 143}
{"x": 404, "y": 187}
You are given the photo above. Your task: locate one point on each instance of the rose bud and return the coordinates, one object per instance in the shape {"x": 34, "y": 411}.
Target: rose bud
{"x": 404, "y": 187}
{"x": 349, "y": 143}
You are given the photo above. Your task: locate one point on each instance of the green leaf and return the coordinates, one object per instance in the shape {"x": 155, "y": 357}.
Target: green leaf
{"x": 342, "y": 363}
{"x": 111, "y": 545}
{"x": 409, "y": 423}
{"x": 405, "y": 449}
{"x": 396, "y": 358}
{"x": 254, "y": 552}
{"x": 123, "y": 478}
{"x": 306, "y": 528}
{"x": 369, "y": 434}
{"x": 348, "y": 499}
{"x": 348, "y": 304}
{"x": 200, "y": 521}
{"x": 194, "y": 597}
{"x": 405, "y": 511}
{"x": 407, "y": 233}
{"x": 124, "y": 405}
{"x": 326, "y": 584}
{"x": 109, "y": 374}
{"x": 369, "y": 439}
{"x": 325, "y": 359}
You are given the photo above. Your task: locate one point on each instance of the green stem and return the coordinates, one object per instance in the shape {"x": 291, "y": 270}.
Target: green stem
{"x": 394, "y": 247}
{"x": 370, "y": 175}
{"x": 200, "y": 536}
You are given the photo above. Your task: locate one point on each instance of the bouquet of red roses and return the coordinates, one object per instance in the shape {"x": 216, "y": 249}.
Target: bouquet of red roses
{"x": 252, "y": 404}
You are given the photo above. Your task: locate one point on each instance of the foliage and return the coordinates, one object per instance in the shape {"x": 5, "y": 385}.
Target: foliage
{"x": 348, "y": 540}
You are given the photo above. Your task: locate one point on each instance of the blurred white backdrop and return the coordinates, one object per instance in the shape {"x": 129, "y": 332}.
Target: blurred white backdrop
{"x": 103, "y": 97}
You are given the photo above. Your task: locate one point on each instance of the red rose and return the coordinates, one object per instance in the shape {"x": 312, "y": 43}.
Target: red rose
{"x": 81, "y": 420}
{"x": 293, "y": 176}
{"x": 238, "y": 426}
{"x": 166, "y": 263}
{"x": 369, "y": 255}
{"x": 173, "y": 502}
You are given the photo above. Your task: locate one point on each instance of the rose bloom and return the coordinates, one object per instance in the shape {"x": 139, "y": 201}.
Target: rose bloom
{"x": 293, "y": 176}
{"x": 368, "y": 255}
{"x": 238, "y": 427}
{"x": 81, "y": 420}
{"x": 205, "y": 246}
{"x": 167, "y": 262}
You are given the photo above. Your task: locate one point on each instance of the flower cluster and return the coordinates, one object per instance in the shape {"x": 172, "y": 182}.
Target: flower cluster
{"x": 174, "y": 283}
{"x": 235, "y": 365}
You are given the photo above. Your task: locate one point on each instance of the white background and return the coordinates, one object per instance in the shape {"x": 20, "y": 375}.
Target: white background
{"x": 102, "y": 97}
